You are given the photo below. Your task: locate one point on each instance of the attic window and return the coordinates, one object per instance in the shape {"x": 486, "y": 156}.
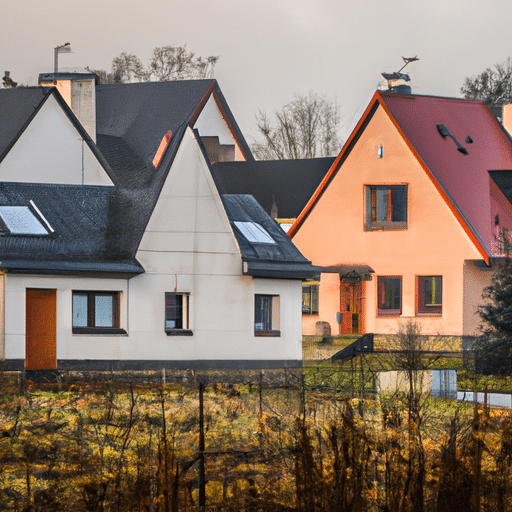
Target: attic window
{"x": 254, "y": 232}
{"x": 21, "y": 220}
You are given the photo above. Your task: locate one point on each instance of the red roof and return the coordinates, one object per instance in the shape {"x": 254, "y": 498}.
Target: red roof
{"x": 463, "y": 179}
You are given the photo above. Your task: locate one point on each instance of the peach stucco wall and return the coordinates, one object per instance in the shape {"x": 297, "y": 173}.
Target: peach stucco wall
{"x": 434, "y": 242}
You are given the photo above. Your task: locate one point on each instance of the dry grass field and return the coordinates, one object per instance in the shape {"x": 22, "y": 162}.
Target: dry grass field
{"x": 121, "y": 442}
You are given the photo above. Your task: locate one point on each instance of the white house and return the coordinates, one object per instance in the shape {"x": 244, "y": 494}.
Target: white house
{"x": 119, "y": 250}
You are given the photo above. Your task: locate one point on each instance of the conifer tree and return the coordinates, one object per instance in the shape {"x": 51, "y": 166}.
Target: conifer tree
{"x": 494, "y": 345}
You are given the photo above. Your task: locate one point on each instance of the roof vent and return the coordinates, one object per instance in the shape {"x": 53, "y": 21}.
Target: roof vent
{"x": 444, "y": 132}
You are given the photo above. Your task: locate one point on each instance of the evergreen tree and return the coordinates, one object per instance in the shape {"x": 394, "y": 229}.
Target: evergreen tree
{"x": 494, "y": 346}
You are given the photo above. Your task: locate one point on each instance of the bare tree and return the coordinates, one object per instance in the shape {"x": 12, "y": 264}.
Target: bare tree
{"x": 493, "y": 85}
{"x": 167, "y": 63}
{"x": 127, "y": 68}
{"x": 306, "y": 127}
{"x": 175, "y": 63}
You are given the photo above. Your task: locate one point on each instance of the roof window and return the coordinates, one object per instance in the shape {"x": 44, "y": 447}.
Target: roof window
{"x": 254, "y": 232}
{"x": 23, "y": 220}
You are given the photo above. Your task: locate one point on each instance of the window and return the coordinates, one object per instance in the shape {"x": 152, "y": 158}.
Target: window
{"x": 254, "y": 232}
{"x": 430, "y": 295}
{"x": 266, "y": 315}
{"x": 310, "y": 299}
{"x": 176, "y": 314}
{"x": 389, "y": 295}
{"x": 96, "y": 313}
{"x": 386, "y": 207}
{"x": 21, "y": 220}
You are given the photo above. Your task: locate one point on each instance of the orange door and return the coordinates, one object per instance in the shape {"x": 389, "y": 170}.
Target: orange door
{"x": 41, "y": 330}
{"x": 350, "y": 308}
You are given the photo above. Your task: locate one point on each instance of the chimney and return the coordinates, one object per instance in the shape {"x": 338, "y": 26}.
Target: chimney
{"x": 507, "y": 118}
{"x": 79, "y": 92}
{"x": 396, "y": 82}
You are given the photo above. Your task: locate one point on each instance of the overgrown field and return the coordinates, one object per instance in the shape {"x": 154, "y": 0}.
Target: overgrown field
{"x": 117, "y": 444}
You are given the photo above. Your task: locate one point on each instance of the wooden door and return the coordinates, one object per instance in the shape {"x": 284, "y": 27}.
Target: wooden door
{"x": 41, "y": 329}
{"x": 350, "y": 307}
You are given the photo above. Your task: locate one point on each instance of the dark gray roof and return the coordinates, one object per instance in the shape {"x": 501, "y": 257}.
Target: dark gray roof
{"x": 287, "y": 184}
{"x": 277, "y": 260}
{"x": 17, "y": 107}
{"x": 98, "y": 229}
{"x": 81, "y": 217}
{"x": 131, "y": 120}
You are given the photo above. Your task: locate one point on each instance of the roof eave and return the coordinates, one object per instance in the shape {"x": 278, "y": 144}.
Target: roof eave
{"x": 280, "y": 270}
{"x": 113, "y": 269}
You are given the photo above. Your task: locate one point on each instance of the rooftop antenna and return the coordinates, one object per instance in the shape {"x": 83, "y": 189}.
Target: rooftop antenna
{"x": 63, "y": 48}
{"x": 408, "y": 60}
{"x": 396, "y": 81}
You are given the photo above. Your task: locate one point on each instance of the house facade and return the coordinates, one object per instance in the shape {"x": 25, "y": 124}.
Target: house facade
{"x": 118, "y": 251}
{"x": 407, "y": 222}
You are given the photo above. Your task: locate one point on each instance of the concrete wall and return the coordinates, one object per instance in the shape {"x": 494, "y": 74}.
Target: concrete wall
{"x": 434, "y": 243}
{"x": 50, "y": 150}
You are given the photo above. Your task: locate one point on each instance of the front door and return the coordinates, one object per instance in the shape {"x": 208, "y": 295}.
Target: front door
{"x": 350, "y": 307}
{"x": 41, "y": 329}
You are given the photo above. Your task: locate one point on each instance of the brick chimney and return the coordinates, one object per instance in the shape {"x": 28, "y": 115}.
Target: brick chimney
{"x": 79, "y": 92}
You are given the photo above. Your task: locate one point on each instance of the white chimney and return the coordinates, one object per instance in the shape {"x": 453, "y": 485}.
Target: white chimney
{"x": 79, "y": 92}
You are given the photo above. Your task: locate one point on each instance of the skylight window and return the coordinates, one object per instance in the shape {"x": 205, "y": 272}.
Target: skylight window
{"x": 20, "y": 220}
{"x": 254, "y": 232}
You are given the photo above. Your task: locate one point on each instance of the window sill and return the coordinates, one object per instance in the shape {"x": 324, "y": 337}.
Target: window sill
{"x": 100, "y": 330}
{"x": 429, "y": 314}
{"x": 179, "y": 332}
{"x": 387, "y": 226}
{"x": 274, "y": 334}
{"x": 310, "y": 313}
{"x": 389, "y": 313}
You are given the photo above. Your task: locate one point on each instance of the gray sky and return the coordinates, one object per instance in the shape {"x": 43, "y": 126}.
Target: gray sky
{"x": 269, "y": 49}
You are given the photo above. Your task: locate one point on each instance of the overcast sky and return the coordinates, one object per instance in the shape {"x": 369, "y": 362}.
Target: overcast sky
{"x": 269, "y": 49}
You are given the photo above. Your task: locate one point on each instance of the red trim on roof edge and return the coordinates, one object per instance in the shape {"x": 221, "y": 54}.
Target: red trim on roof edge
{"x": 200, "y": 107}
{"x": 332, "y": 171}
{"x": 225, "y": 117}
{"x": 481, "y": 249}
{"x": 202, "y": 103}
{"x": 377, "y": 97}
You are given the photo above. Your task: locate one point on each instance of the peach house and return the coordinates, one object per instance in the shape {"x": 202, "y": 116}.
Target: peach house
{"x": 407, "y": 222}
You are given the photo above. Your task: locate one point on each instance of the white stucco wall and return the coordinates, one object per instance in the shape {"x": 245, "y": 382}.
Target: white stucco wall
{"x": 51, "y": 150}
{"x": 189, "y": 247}
{"x": 69, "y": 345}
